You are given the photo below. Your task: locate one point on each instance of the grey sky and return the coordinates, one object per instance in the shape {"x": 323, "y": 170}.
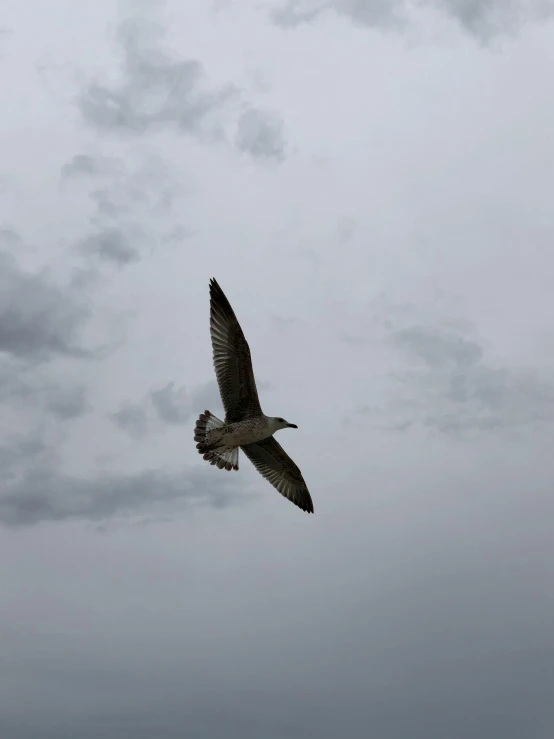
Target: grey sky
{"x": 370, "y": 183}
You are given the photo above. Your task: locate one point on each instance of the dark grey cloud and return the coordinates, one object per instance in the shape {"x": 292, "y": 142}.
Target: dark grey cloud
{"x": 66, "y": 402}
{"x": 155, "y": 90}
{"x": 482, "y": 18}
{"x": 62, "y": 401}
{"x": 174, "y": 405}
{"x": 488, "y": 18}
{"x": 86, "y": 165}
{"x": 49, "y": 495}
{"x": 150, "y": 183}
{"x": 133, "y": 418}
{"x": 34, "y": 488}
{"x": 16, "y": 453}
{"x": 9, "y": 238}
{"x": 261, "y": 134}
{"x": 121, "y": 229}
{"x": 171, "y": 404}
{"x": 112, "y": 245}
{"x": 454, "y": 387}
{"x": 374, "y": 13}
{"x": 38, "y": 318}
{"x": 207, "y": 397}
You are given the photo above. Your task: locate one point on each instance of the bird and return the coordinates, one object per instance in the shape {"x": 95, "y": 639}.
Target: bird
{"x": 245, "y": 425}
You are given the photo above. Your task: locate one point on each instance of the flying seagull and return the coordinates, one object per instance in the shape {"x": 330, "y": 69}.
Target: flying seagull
{"x": 245, "y": 425}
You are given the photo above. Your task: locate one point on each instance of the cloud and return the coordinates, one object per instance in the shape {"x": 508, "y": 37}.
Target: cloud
{"x": 33, "y": 488}
{"x": 345, "y": 230}
{"x": 158, "y": 90}
{"x": 481, "y": 18}
{"x": 85, "y": 165}
{"x": 125, "y": 208}
{"x": 260, "y": 133}
{"x": 175, "y": 406}
{"x": 63, "y": 402}
{"x": 133, "y": 418}
{"x": 155, "y": 89}
{"x": 38, "y": 319}
{"x": 111, "y": 245}
{"x": 207, "y": 397}
{"x": 9, "y": 238}
{"x": 16, "y": 453}
{"x": 455, "y": 388}
{"x": 488, "y": 18}
{"x": 378, "y": 13}
{"x": 147, "y": 183}
{"x": 283, "y": 323}
{"x": 170, "y": 404}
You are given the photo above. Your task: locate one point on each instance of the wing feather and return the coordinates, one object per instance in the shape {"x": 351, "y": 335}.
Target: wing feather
{"x": 273, "y": 463}
{"x": 232, "y": 360}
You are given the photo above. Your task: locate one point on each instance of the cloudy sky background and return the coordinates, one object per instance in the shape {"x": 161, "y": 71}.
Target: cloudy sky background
{"x": 371, "y": 184}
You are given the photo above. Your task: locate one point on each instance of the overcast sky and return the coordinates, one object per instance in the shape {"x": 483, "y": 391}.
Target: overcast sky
{"x": 370, "y": 181}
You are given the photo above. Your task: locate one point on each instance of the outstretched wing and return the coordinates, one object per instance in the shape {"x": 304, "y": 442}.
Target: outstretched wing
{"x": 271, "y": 461}
{"x": 232, "y": 361}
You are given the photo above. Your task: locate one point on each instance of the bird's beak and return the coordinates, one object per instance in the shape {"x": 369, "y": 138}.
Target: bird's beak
{"x": 292, "y": 426}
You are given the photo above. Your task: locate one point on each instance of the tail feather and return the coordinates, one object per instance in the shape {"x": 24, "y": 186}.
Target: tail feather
{"x": 224, "y": 458}
{"x": 206, "y": 422}
{"x": 228, "y": 460}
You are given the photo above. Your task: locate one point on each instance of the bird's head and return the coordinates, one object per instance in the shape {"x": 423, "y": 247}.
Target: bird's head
{"x": 280, "y": 423}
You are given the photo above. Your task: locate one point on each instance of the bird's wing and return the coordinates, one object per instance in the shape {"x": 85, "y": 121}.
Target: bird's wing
{"x": 271, "y": 461}
{"x": 232, "y": 361}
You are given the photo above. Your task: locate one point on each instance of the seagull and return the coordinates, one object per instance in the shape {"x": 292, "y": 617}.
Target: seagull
{"x": 245, "y": 425}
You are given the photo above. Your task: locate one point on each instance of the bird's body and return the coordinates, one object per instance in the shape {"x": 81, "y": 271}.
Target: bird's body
{"x": 231, "y": 435}
{"x": 245, "y": 425}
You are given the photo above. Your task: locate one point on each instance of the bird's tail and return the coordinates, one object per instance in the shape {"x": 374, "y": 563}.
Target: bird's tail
{"x": 227, "y": 459}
